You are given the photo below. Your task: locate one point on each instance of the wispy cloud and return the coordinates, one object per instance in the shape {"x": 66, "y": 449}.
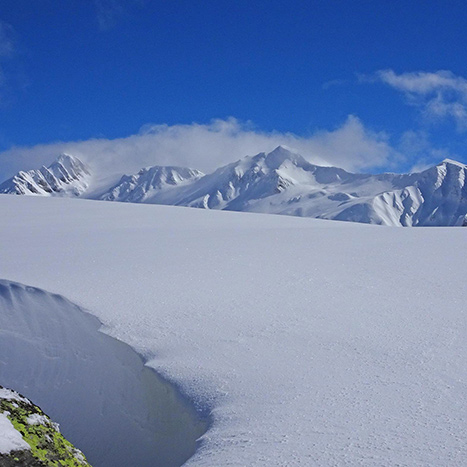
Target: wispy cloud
{"x": 334, "y": 83}
{"x": 7, "y": 40}
{"x": 419, "y": 150}
{"x": 7, "y": 51}
{"x": 110, "y": 12}
{"x": 207, "y": 146}
{"x": 439, "y": 95}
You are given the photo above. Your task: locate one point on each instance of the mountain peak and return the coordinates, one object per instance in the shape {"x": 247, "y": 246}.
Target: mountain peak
{"x": 64, "y": 157}
{"x": 282, "y": 151}
{"x": 282, "y": 148}
{"x": 66, "y": 175}
{"x": 71, "y": 163}
{"x": 278, "y": 156}
{"x": 149, "y": 182}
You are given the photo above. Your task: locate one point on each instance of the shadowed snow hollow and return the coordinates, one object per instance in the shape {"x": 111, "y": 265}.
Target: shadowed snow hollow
{"x": 119, "y": 412}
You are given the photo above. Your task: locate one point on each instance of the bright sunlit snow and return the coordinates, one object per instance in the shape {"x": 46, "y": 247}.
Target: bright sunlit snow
{"x": 311, "y": 342}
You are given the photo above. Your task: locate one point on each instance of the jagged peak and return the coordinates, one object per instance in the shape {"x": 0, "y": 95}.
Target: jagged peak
{"x": 70, "y": 162}
{"x": 64, "y": 157}
{"x": 66, "y": 174}
{"x": 282, "y": 148}
{"x": 283, "y": 152}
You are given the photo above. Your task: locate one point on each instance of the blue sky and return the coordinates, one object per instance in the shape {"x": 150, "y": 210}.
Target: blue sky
{"x": 340, "y": 76}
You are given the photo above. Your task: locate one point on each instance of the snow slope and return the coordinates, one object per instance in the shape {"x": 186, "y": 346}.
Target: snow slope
{"x": 311, "y": 342}
{"x": 66, "y": 176}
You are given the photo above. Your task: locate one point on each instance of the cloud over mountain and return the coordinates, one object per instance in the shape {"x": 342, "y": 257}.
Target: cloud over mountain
{"x": 206, "y": 146}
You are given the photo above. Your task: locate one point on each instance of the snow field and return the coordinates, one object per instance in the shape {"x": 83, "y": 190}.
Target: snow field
{"x": 311, "y": 342}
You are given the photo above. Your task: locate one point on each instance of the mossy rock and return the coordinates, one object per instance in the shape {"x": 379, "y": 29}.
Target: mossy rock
{"x": 48, "y": 446}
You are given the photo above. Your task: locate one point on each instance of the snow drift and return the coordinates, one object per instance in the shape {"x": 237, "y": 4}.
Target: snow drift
{"x": 108, "y": 404}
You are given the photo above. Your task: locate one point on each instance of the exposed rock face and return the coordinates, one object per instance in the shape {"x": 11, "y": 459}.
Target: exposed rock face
{"x": 30, "y": 439}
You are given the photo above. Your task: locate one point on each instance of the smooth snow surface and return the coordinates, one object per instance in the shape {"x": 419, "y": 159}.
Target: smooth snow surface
{"x": 10, "y": 438}
{"x": 311, "y": 342}
{"x": 108, "y": 404}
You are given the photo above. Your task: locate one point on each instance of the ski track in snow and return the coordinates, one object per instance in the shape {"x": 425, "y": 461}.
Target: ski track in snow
{"x": 312, "y": 342}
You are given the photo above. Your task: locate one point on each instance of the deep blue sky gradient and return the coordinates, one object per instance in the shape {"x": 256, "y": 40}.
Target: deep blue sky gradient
{"x": 183, "y": 61}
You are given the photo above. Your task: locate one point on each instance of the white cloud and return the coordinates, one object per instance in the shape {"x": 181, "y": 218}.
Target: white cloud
{"x": 352, "y": 146}
{"x": 207, "y": 146}
{"x": 439, "y": 95}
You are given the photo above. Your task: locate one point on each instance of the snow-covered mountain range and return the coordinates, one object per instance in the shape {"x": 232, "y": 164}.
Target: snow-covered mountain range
{"x": 279, "y": 182}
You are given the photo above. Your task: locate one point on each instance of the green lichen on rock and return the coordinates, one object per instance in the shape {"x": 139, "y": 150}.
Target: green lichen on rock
{"x": 48, "y": 446}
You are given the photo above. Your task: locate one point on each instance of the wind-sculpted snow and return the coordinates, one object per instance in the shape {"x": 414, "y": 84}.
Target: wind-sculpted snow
{"x": 67, "y": 175}
{"x": 107, "y": 403}
{"x": 310, "y": 342}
